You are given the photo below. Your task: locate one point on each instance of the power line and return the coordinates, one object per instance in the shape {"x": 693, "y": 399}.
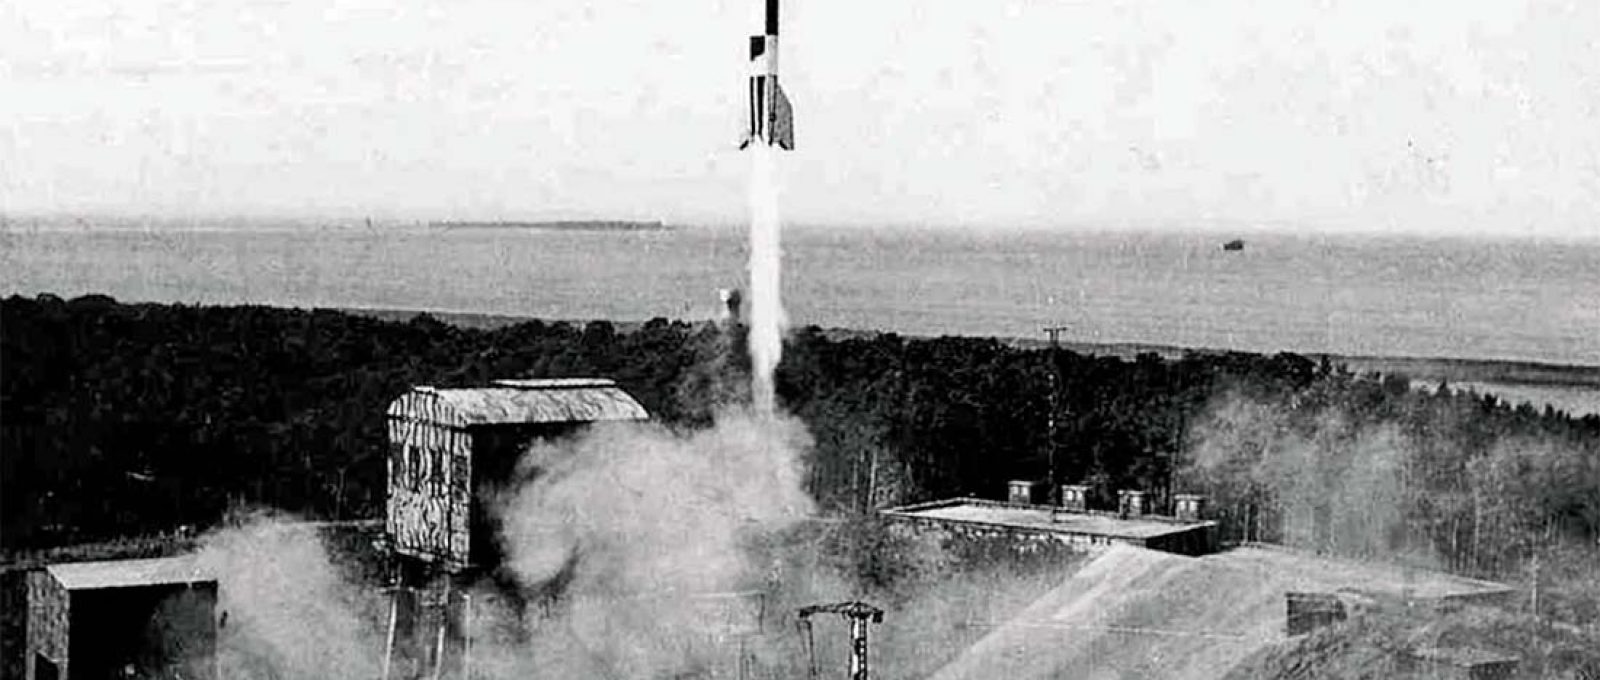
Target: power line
{"x": 1129, "y": 630}
{"x": 1054, "y": 332}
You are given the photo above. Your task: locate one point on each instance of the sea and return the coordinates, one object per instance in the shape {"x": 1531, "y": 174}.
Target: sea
{"x": 1503, "y": 299}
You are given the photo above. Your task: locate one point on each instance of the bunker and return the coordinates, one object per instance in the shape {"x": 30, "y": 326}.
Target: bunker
{"x": 1022, "y": 526}
{"x": 121, "y": 619}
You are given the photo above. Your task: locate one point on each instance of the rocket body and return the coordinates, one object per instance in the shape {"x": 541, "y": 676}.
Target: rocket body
{"x": 771, "y": 121}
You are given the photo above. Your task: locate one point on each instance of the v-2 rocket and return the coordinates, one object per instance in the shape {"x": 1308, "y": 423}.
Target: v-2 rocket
{"x": 771, "y": 121}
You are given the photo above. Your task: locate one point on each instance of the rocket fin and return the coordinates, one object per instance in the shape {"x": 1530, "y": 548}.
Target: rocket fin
{"x": 782, "y": 119}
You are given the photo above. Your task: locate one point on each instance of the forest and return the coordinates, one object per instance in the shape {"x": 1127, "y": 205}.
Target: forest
{"x": 131, "y": 419}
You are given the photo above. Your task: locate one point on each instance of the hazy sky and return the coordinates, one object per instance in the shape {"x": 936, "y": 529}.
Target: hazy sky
{"x": 1467, "y": 117}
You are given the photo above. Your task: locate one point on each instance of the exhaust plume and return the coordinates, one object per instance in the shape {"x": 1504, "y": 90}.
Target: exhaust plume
{"x": 766, "y": 307}
{"x": 653, "y": 539}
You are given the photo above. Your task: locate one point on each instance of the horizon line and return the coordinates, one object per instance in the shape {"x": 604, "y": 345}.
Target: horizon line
{"x": 1309, "y": 227}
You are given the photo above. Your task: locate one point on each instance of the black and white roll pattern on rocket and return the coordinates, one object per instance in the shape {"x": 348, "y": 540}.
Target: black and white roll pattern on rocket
{"x": 770, "y": 120}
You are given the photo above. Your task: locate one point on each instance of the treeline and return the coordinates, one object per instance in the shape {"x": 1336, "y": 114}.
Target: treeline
{"x": 122, "y": 419}
{"x": 1368, "y": 467}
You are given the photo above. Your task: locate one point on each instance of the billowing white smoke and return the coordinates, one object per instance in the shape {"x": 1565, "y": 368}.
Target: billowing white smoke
{"x": 645, "y": 530}
{"x": 766, "y": 305}
{"x": 291, "y": 614}
{"x": 1340, "y": 487}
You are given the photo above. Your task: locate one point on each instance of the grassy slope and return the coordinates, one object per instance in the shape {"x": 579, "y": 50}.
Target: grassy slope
{"x": 1135, "y": 613}
{"x": 1373, "y": 646}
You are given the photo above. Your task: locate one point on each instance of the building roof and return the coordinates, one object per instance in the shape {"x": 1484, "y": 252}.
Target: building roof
{"x": 128, "y": 573}
{"x": 1044, "y": 518}
{"x": 507, "y": 402}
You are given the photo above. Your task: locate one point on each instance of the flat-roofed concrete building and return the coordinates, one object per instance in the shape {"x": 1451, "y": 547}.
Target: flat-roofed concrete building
{"x": 115, "y": 619}
{"x": 1022, "y": 523}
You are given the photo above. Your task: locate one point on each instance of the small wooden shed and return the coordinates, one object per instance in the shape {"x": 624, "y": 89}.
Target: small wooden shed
{"x": 451, "y": 448}
{"x": 145, "y": 618}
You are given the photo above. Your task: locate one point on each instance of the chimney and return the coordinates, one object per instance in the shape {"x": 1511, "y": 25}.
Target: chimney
{"x": 1189, "y": 507}
{"x": 1075, "y": 497}
{"x": 1022, "y": 491}
{"x": 1130, "y": 503}
{"x": 731, "y": 303}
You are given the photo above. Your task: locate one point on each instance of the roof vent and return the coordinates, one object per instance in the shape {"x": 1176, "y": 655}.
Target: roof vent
{"x": 1189, "y": 507}
{"x": 1024, "y": 491}
{"x": 1130, "y": 503}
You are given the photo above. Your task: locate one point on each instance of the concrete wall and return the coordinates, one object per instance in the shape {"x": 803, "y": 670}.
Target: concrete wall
{"x": 13, "y": 623}
{"x": 1019, "y": 540}
{"x": 1195, "y": 540}
{"x": 49, "y": 624}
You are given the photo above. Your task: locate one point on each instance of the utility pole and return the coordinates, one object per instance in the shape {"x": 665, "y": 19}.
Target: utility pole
{"x": 1055, "y": 402}
{"x": 859, "y": 614}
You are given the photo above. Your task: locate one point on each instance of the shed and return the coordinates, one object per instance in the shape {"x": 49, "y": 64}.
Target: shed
{"x": 450, "y": 448}
{"x": 148, "y": 618}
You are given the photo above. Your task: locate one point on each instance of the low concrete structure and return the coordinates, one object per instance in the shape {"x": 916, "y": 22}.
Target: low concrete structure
{"x": 1458, "y": 663}
{"x": 1021, "y": 524}
{"x": 147, "y": 618}
{"x": 1306, "y": 612}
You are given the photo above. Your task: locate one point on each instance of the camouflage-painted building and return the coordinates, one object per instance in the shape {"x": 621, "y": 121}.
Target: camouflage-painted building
{"x": 119, "y": 619}
{"x": 450, "y": 448}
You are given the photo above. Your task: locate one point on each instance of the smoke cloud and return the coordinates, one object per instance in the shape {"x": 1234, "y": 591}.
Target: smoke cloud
{"x": 1329, "y": 484}
{"x": 287, "y": 611}
{"x": 633, "y": 551}
{"x": 655, "y": 539}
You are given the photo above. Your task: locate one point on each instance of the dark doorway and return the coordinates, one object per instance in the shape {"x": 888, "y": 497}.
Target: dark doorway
{"x": 45, "y": 669}
{"x": 144, "y": 632}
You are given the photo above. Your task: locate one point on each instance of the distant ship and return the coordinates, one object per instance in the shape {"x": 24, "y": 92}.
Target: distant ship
{"x": 558, "y": 225}
{"x": 1236, "y": 244}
